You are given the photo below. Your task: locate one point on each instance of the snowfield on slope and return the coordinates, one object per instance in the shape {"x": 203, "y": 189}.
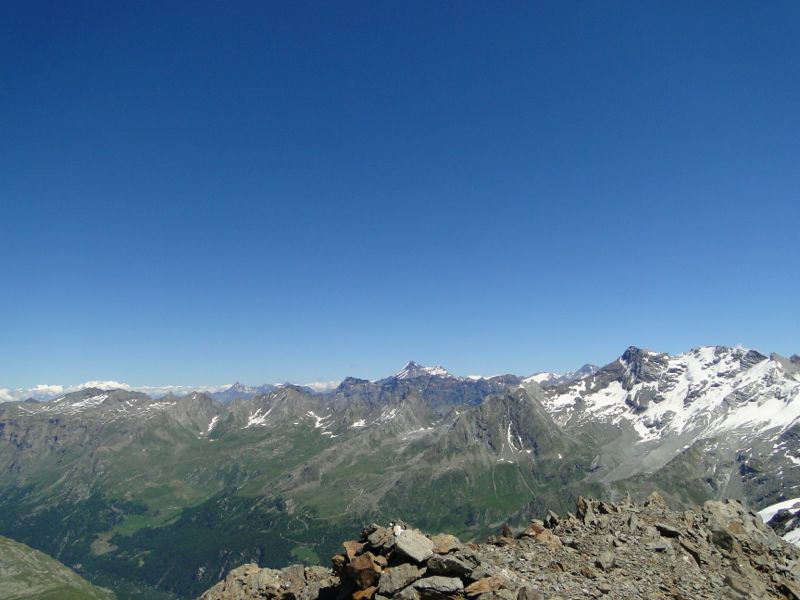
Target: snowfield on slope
{"x": 707, "y": 390}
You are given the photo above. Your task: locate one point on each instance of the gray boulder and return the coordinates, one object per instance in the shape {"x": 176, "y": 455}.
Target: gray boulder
{"x": 414, "y": 545}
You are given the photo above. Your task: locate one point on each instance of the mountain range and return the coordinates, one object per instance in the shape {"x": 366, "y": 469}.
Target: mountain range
{"x": 121, "y": 482}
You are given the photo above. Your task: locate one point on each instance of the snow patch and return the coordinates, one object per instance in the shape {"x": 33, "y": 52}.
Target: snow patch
{"x": 258, "y": 418}
{"x": 321, "y": 423}
{"x": 767, "y": 513}
{"x": 540, "y": 377}
{"x": 213, "y": 424}
{"x": 387, "y": 414}
{"x": 93, "y": 401}
{"x": 708, "y": 390}
{"x": 415, "y": 432}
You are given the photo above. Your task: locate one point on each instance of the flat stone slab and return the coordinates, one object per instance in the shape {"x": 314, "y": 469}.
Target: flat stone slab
{"x": 443, "y": 585}
{"x": 414, "y": 545}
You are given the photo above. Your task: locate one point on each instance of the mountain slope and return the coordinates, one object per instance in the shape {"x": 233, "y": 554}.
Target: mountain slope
{"x": 27, "y": 574}
{"x": 121, "y": 482}
{"x": 707, "y": 391}
{"x": 723, "y": 418}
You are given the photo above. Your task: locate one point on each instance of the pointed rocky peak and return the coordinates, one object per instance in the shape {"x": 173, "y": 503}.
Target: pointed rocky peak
{"x": 413, "y": 370}
{"x": 751, "y": 358}
{"x": 633, "y": 354}
{"x": 237, "y": 390}
{"x": 585, "y": 371}
{"x": 643, "y": 365}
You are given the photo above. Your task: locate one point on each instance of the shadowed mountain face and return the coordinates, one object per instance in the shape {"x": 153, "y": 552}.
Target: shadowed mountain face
{"x": 122, "y": 483}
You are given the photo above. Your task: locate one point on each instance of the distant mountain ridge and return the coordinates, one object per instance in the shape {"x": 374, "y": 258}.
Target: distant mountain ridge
{"x": 548, "y": 379}
{"x": 121, "y": 481}
{"x": 226, "y": 393}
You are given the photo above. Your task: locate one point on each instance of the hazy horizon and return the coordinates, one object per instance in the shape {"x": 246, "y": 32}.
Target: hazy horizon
{"x": 49, "y": 391}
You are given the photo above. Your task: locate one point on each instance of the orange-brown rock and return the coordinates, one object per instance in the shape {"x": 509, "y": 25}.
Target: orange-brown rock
{"x": 381, "y": 561}
{"x": 339, "y": 562}
{"x": 548, "y": 538}
{"x": 444, "y": 543}
{"x": 532, "y": 530}
{"x": 536, "y": 526}
{"x": 352, "y": 548}
{"x": 485, "y": 585}
{"x": 366, "y": 594}
{"x": 363, "y": 570}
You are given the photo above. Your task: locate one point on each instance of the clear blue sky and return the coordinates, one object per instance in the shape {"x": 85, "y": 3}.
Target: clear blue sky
{"x": 197, "y": 193}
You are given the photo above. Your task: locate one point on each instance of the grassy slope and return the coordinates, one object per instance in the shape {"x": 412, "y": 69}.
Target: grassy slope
{"x": 26, "y": 573}
{"x": 267, "y": 495}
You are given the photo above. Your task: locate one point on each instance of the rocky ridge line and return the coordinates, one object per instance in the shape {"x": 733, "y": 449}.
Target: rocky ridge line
{"x": 604, "y": 550}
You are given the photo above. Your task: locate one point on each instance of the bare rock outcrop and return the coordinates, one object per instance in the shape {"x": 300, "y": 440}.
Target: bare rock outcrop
{"x": 604, "y": 550}
{"x": 292, "y": 583}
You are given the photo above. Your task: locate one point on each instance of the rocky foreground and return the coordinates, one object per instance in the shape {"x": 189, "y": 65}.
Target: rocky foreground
{"x": 604, "y": 550}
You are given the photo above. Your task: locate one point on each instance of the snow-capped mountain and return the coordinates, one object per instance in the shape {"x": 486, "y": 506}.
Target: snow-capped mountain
{"x": 412, "y": 370}
{"x": 713, "y": 422}
{"x": 706, "y": 391}
{"x": 549, "y": 379}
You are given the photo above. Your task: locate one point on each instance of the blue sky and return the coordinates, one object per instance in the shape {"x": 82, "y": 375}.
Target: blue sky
{"x": 199, "y": 193}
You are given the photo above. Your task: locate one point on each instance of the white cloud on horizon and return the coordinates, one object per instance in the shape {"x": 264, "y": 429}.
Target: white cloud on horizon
{"x": 100, "y": 384}
{"x": 47, "y": 391}
{"x": 44, "y": 391}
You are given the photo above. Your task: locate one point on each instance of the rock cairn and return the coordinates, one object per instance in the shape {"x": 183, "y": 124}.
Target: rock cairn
{"x": 604, "y": 550}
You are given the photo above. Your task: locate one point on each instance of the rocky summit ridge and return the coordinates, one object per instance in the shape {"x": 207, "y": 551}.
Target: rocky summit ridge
{"x": 603, "y": 550}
